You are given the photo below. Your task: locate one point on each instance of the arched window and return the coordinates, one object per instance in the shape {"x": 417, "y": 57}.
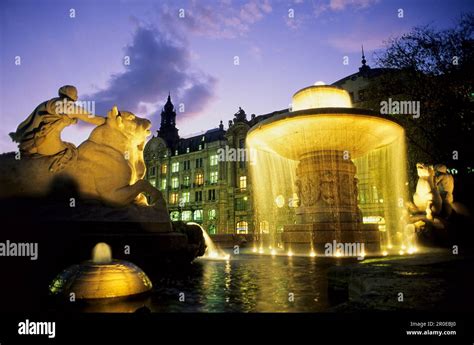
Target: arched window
{"x": 242, "y": 227}
{"x": 212, "y": 214}
{"x": 198, "y": 215}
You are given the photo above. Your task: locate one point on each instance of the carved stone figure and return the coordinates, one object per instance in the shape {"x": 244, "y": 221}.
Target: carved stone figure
{"x": 427, "y": 197}
{"x": 445, "y": 186}
{"x": 328, "y": 187}
{"x": 40, "y": 133}
{"x": 109, "y": 166}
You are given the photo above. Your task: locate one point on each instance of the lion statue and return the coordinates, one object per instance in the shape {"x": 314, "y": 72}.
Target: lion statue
{"x": 427, "y": 197}
{"x": 109, "y": 166}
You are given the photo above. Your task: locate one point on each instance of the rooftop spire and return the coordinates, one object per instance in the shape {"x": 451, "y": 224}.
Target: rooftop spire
{"x": 364, "y": 61}
{"x": 168, "y": 130}
{"x": 364, "y": 68}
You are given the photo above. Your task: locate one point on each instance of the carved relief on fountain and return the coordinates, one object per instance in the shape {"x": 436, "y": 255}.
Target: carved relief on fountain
{"x": 327, "y": 186}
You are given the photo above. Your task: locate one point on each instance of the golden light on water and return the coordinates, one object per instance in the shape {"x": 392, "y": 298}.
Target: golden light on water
{"x": 291, "y": 136}
{"x": 376, "y": 146}
{"x": 102, "y": 253}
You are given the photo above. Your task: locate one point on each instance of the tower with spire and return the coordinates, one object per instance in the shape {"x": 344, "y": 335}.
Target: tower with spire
{"x": 364, "y": 69}
{"x": 168, "y": 130}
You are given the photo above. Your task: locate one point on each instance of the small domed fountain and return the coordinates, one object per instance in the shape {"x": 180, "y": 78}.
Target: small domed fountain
{"x": 325, "y": 170}
{"x": 101, "y": 277}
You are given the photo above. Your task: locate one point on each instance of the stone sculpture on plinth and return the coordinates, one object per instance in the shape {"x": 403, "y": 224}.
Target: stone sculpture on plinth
{"x": 97, "y": 189}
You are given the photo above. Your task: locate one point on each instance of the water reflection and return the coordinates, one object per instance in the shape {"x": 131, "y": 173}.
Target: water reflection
{"x": 247, "y": 283}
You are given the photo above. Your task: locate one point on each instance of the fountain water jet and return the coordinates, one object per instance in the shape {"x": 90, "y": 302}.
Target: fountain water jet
{"x": 330, "y": 167}
{"x": 212, "y": 251}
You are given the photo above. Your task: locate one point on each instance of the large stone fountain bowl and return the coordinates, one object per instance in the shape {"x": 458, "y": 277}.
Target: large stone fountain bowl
{"x": 295, "y": 134}
{"x": 91, "y": 280}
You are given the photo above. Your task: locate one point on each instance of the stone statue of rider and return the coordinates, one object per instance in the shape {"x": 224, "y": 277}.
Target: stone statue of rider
{"x": 40, "y": 133}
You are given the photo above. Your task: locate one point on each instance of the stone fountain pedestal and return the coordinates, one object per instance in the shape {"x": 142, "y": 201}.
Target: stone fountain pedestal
{"x": 328, "y": 211}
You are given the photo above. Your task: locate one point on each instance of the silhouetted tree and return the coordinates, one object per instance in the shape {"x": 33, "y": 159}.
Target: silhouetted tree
{"x": 434, "y": 67}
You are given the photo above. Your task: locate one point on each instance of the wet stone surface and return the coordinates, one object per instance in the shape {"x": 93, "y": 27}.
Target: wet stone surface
{"x": 430, "y": 281}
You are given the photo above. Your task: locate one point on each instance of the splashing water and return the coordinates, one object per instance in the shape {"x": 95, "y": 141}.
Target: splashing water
{"x": 212, "y": 251}
{"x": 102, "y": 253}
{"x": 336, "y": 173}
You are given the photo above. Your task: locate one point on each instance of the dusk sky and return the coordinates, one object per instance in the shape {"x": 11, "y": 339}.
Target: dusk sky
{"x": 191, "y": 57}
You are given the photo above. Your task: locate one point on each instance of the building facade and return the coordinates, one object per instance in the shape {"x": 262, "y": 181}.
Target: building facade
{"x": 197, "y": 178}
{"x": 201, "y": 184}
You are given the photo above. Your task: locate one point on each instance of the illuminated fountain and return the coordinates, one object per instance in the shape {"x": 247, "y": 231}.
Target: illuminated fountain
{"x": 212, "y": 251}
{"x": 328, "y": 172}
{"x": 101, "y": 277}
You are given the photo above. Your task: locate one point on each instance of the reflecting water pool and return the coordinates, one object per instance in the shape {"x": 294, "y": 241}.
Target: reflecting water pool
{"x": 247, "y": 283}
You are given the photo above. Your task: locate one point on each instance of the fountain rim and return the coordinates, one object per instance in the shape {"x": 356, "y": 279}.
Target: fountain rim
{"x": 323, "y": 111}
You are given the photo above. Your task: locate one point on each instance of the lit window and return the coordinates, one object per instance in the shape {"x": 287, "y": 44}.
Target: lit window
{"x": 176, "y": 152}
{"x": 186, "y": 197}
{"x": 243, "y": 182}
{"x": 200, "y": 147}
{"x": 212, "y": 214}
{"x": 163, "y": 184}
{"x": 214, "y": 160}
{"x": 198, "y": 215}
{"x": 214, "y": 176}
{"x": 212, "y": 229}
{"x": 174, "y": 216}
{"x": 186, "y": 215}
{"x": 199, "y": 179}
{"x": 173, "y": 198}
{"x": 186, "y": 181}
{"x": 174, "y": 182}
{"x": 175, "y": 167}
{"x": 164, "y": 169}
{"x": 153, "y": 183}
{"x": 242, "y": 227}
{"x": 187, "y": 149}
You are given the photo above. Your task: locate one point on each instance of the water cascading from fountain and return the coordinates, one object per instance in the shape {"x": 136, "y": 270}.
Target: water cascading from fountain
{"x": 328, "y": 172}
{"x": 212, "y": 251}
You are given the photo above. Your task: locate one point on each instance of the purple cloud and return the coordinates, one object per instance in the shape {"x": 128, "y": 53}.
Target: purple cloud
{"x": 219, "y": 20}
{"x": 157, "y": 65}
